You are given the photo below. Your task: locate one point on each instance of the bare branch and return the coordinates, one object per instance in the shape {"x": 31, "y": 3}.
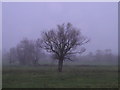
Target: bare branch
{"x": 63, "y": 41}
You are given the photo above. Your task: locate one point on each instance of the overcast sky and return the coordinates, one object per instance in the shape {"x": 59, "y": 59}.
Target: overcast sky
{"x": 98, "y": 21}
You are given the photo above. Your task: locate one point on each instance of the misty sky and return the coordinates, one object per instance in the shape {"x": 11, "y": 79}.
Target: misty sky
{"x": 98, "y": 21}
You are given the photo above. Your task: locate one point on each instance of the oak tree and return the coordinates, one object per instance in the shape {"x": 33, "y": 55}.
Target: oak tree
{"x": 63, "y": 42}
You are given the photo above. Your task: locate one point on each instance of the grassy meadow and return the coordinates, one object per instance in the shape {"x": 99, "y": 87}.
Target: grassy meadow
{"x": 79, "y": 76}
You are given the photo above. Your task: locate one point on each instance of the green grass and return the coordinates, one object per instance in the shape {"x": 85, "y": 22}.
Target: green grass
{"x": 71, "y": 77}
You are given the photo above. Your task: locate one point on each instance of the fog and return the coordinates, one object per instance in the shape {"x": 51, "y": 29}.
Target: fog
{"x": 97, "y": 21}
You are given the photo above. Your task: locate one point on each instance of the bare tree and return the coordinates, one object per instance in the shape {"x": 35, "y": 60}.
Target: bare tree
{"x": 63, "y": 42}
{"x": 36, "y": 53}
{"x": 12, "y": 55}
{"x": 28, "y": 52}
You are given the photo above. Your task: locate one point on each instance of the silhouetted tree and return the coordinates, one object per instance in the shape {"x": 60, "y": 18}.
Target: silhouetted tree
{"x": 90, "y": 56}
{"x": 28, "y": 52}
{"x": 36, "y": 53}
{"x": 12, "y": 55}
{"x": 99, "y": 55}
{"x": 108, "y": 54}
{"x": 63, "y": 42}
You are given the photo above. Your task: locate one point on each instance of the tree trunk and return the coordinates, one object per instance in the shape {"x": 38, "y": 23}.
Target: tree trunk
{"x": 60, "y": 65}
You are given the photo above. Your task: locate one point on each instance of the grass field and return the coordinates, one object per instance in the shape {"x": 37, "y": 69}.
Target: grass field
{"x": 71, "y": 77}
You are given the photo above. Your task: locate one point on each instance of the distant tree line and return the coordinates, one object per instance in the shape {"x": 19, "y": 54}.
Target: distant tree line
{"x": 26, "y": 52}
{"x": 105, "y": 57}
{"x": 99, "y": 57}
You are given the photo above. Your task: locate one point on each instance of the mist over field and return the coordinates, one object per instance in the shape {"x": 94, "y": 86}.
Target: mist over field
{"x": 60, "y": 44}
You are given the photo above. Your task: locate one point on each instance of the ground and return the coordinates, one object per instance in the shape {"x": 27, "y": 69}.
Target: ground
{"x": 78, "y": 76}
